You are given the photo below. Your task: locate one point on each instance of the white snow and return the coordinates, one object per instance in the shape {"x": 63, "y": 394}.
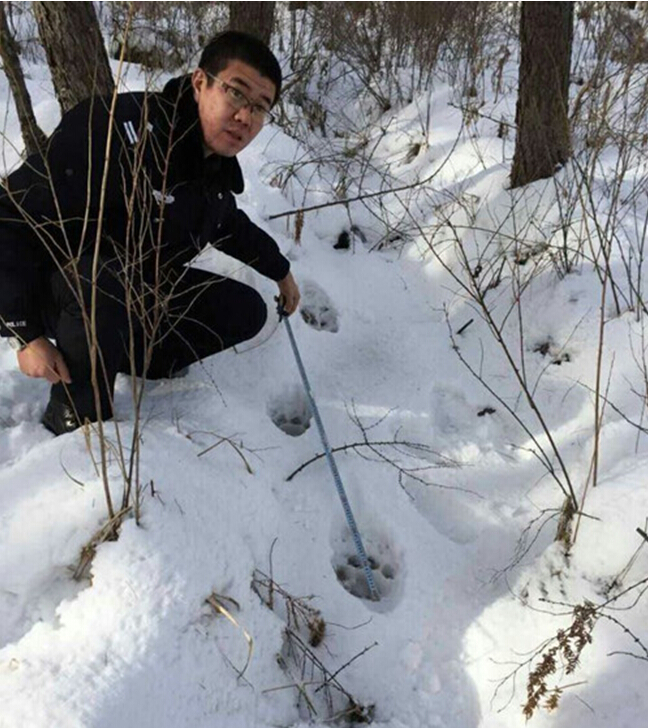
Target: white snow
{"x": 471, "y": 584}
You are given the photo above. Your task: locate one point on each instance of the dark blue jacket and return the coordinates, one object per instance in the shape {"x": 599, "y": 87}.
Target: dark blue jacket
{"x": 155, "y": 203}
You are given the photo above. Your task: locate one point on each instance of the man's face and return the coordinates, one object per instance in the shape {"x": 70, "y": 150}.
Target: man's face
{"x": 226, "y": 129}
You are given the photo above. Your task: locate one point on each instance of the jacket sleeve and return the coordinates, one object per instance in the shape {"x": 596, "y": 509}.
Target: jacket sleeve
{"x": 22, "y": 268}
{"x": 25, "y": 202}
{"x": 48, "y": 213}
{"x": 245, "y": 241}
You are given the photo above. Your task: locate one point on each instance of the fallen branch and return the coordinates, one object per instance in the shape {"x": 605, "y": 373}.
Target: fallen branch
{"x": 371, "y": 445}
{"x": 216, "y": 603}
{"x": 412, "y": 450}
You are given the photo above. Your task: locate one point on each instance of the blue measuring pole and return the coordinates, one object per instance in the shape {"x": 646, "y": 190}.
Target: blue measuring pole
{"x": 357, "y": 540}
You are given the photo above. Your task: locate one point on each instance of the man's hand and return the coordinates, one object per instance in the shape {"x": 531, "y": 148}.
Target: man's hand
{"x": 288, "y": 293}
{"x": 40, "y": 358}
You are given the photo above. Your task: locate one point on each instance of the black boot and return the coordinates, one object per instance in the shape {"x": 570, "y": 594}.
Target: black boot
{"x": 60, "y": 418}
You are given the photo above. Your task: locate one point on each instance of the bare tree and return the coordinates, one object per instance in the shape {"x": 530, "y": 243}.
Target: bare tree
{"x": 33, "y": 136}
{"x": 541, "y": 116}
{"x": 254, "y": 18}
{"x": 75, "y": 51}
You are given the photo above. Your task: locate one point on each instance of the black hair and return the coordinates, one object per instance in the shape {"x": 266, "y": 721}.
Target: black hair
{"x": 234, "y": 45}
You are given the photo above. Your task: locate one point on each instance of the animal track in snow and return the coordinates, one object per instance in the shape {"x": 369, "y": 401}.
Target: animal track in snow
{"x": 317, "y": 309}
{"x": 348, "y": 567}
{"x": 290, "y": 412}
{"x": 549, "y": 347}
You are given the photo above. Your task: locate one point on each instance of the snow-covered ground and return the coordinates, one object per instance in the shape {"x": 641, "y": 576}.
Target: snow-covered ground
{"x": 450, "y": 498}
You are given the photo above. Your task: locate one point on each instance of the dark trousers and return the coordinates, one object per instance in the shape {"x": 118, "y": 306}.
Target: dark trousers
{"x": 201, "y": 314}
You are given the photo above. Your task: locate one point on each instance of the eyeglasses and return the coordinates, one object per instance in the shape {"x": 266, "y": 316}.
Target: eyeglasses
{"x": 238, "y": 100}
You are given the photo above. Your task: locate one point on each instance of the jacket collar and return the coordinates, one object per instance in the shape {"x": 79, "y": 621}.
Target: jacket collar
{"x": 182, "y": 111}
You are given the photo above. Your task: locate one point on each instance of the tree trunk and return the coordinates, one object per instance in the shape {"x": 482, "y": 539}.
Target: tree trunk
{"x": 542, "y": 142}
{"x": 75, "y": 51}
{"x": 254, "y": 18}
{"x": 32, "y": 134}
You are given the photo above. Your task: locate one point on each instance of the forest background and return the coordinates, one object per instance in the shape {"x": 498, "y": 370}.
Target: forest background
{"x": 462, "y": 189}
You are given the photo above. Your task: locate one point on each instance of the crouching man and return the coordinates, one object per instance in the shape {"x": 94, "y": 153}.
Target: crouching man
{"x": 96, "y": 234}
